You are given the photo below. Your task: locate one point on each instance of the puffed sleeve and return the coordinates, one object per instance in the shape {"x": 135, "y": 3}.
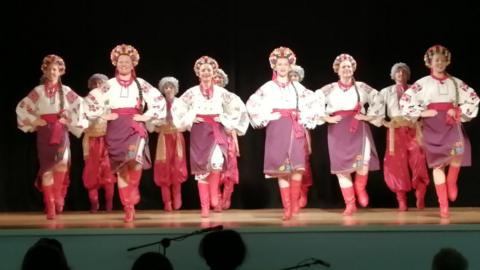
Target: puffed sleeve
{"x": 156, "y": 104}
{"x": 259, "y": 108}
{"x": 234, "y": 114}
{"x": 27, "y": 111}
{"x": 468, "y": 101}
{"x": 183, "y": 111}
{"x": 74, "y": 111}
{"x": 374, "y": 100}
{"x": 308, "y": 106}
{"x": 412, "y": 101}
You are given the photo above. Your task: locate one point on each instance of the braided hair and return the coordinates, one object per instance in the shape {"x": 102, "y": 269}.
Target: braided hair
{"x": 140, "y": 95}
{"x": 356, "y": 90}
{"x": 457, "y": 95}
{"x": 61, "y": 95}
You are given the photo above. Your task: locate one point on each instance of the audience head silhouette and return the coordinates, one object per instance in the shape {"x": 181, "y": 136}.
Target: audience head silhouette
{"x": 46, "y": 253}
{"x": 152, "y": 261}
{"x": 223, "y": 250}
{"x": 449, "y": 259}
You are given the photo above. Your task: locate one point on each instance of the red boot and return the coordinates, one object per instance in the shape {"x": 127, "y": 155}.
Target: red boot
{"x": 360, "y": 189}
{"x": 295, "y": 196}
{"x": 59, "y": 190}
{"x": 129, "y": 196}
{"x": 227, "y": 194}
{"x": 93, "y": 196}
{"x": 287, "y": 207}
{"x": 129, "y": 213}
{"x": 204, "y": 194}
{"x": 442, "y": 199}
{"x": 166, "y": 198}
{"x": 349, "y": 198}
{"x": 134, "y": 177}
{"x": 177, "y": 196}
{"x": 402, "y": 201}
{"x": 214, "y": 184}
{"x": 109, "y": 192}
{"x": 49, "y": 201}
{"x": 420, "y": 195}
{"x": 302, "y": 201}
{"x": 452, "y": 178}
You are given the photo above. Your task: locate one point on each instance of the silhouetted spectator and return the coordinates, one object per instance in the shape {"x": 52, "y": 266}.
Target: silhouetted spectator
{"x": 449, "y": 259}
{"x": 46, "y": 253}
{"x": 152, "y": 261}
{"x": 223, "y": 250}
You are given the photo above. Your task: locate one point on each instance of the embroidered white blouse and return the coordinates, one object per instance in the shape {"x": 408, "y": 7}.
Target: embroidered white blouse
{"x": 271, "y": 96}
{"x": 333, "y": 98}
{"x": 38, "y": 103}
{"x": 432, "y": 90}
{"x": 114, "y": 96}
{"x": 229, "y": 107}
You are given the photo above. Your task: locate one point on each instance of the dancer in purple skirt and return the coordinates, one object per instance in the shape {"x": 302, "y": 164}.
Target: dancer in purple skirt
{"x": 52, "y": 109}
{"x": 230, "y": 177}
{"x": 442, "y": 102}
{"x": 286, "y": 108}
{"x": 298, "y": 74}
{"x": 121, "y": 102}
{"x": 350, "y": 143}
{"x": 210, "y": 112}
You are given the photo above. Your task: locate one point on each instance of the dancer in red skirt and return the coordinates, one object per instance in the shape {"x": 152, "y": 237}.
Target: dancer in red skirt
{"x": 403, "y": 153}
{"x": 97, "y": 173}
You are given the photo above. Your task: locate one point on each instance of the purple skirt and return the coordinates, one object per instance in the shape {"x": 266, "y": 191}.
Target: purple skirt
{"x": 202, "y": 144}
{"x": 123, "y": 141}
{"x": 50, "y": 154}
{"x": 443, "y": 141}
{"x": 346, "y": 148}
{"x": 284, "y": 153}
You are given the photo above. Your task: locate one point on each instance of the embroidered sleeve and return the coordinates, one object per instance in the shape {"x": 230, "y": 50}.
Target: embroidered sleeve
{"x": 27, "y": 111}
{"x": 71, "y": 96}
{"x": 74, "y": 110}
{"x": 412, "y": 103}
{"x": 259, "y": 108}
{"x": 156, "y": 104}
{"x": 383, "y": 101}
{"x": 309, "y": 108}
{"x": 234, "y": 114}
{"x": 183, "y": 111}
{"x": 375, "y": 102}
{"x": 468, "y": 101}
{"x": 95, "y": 103}
{"x": 322, "y": 96}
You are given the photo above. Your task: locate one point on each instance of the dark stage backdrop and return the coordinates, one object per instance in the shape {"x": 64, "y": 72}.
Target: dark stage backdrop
{"x": 171, "y": 35}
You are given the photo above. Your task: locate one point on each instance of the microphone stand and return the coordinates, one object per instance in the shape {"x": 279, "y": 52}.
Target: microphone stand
{"x": 165, "y": 242}
{"x": 313, "y": 261}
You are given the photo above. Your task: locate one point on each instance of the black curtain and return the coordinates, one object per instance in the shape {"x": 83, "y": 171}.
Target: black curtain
{"x": 171, "y": 35}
